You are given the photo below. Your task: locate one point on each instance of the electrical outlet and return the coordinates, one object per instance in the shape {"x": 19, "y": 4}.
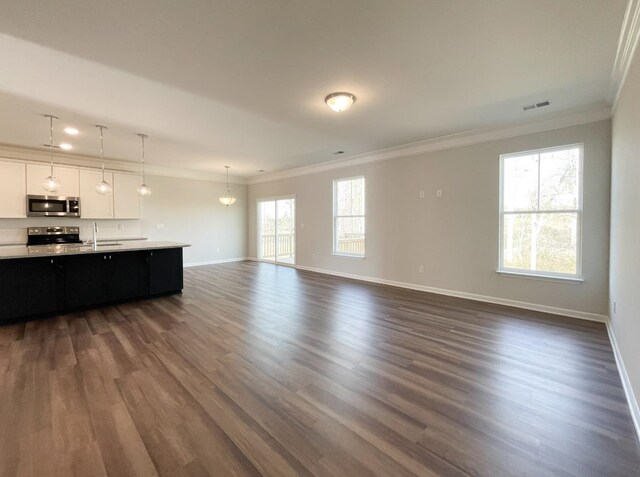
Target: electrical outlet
{"x": 159, "y": 226}
{"x": 615, "y": 307}
{"x": 301, "y": 226}
{"x": 120, "y": 226}
{"x": 421, "y": 194}
{"x": 421, "y": 269}
{"x": 439, "y": 193}
{"x": 218, "y": 250}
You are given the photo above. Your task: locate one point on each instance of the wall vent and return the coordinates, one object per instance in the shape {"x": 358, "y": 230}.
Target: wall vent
{"x": 541, "y": 104}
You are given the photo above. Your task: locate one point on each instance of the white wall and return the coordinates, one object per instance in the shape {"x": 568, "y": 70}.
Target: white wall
{"x": 625, "y": 228}
{"x": 455, "y": 237}
{"x": 189, "y": 210}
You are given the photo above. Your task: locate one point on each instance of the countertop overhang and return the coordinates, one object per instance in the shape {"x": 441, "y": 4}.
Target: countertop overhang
{"x": 22, "y": 251}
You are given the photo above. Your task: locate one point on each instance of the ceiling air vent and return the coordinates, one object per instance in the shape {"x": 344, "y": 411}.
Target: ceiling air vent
{"x": 529, "y": 107}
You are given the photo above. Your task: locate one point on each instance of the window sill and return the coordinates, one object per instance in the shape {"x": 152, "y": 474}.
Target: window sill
{"x": 548, "y": 278}
{"x": 346, "y": 255}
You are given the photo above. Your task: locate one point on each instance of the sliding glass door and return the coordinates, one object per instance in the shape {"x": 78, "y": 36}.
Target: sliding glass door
{"x": 277, "y": 230}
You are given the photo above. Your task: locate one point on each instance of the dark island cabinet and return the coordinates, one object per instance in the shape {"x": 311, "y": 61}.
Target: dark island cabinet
{"x": 29, "y": 286}
{"x": 163, "y": 265}
{"x": 39, "y": 286}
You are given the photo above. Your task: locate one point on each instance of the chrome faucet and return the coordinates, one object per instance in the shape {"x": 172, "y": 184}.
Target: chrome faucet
{"x": 95, "y": 236}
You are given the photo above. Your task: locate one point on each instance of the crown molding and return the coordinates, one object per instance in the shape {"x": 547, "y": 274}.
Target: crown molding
{"x": 25, "y": 154}
{"x": 441, "y": 143}
{"x": 629, "y": 34}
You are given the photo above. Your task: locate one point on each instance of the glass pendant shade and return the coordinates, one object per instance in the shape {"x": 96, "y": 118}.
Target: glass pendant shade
{"x": 144, "y": 190}
{"x": 227, "y": 199}
{"x": 103, "y": 187}
{"x": 51, "y": 184}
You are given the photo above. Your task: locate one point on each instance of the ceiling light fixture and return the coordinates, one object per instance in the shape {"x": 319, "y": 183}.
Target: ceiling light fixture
{"x": 103, "y": 187}
{"x": 143, "y": 189}
{"x": 71, "y": 131}
{"x": 227, "y": 199}
{"x": 340, "y": 101}
{"x": 50, "y": 183}
{"x": 66, "y": 146}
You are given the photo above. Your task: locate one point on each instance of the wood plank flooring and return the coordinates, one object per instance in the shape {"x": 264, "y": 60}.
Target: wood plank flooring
{"x": 264, "y": 370}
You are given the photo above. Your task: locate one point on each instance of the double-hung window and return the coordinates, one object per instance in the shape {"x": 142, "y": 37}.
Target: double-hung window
{"x": 541, "y": 212}
{"x": 349, "y": 217}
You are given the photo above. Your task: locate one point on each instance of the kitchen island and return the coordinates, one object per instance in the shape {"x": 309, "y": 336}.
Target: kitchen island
{"x": 51, "y": 279}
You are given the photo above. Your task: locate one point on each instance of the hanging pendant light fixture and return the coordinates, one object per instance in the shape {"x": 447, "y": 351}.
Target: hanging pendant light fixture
{"x": 143, "y": 189}
{"x": 103, "y": 187}
{"x": 227, "y": 199}
{"x": 50, "y": 183}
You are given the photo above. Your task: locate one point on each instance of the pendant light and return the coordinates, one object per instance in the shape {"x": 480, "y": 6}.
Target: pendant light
{"x": 143, "y": 189}
{"x": 227, "y": 199}
{"x": 103, "y": 187}
{"x": 50, "y": 183}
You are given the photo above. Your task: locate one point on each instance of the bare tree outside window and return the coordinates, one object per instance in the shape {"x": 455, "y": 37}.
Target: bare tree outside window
{"x": 541, "y": 211}
{"x": 349, "y": 217}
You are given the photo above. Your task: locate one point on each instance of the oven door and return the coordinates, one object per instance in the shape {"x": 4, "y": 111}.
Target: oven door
{"x": 52, "y": 206}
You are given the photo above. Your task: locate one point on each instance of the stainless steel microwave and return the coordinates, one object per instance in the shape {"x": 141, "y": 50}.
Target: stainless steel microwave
{"x": 53, "y": 206}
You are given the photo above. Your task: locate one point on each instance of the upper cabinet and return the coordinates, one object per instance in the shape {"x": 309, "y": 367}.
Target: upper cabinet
{"x": 92, "y": 204}
{"x": 17, "y": 180}
{"x": 13, "y": 190}
{"x": 69, "y": 178}
{"x": 126, "y": 201}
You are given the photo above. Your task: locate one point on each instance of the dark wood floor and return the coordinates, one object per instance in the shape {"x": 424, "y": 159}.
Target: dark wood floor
{"x": 265, "y": 370}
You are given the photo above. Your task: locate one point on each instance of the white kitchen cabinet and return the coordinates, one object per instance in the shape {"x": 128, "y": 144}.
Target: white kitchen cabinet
{"x": 92, "y": 204}
{"x": 69, "y": 178}
{"x": 13, "y": 190}
{"x": 126, "y": 201}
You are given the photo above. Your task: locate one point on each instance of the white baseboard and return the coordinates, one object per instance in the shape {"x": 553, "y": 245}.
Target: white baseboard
{"x": 215, "y": 262}
{"x": 624, "y": 377}
{"x": 584, "y": 315}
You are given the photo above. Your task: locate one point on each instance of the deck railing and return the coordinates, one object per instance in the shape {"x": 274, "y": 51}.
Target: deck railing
{"x": 287, "y": 246}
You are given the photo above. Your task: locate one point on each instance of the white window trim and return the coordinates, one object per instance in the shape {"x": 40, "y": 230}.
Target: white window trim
{"x": 336, "y": 216}
{"x": 515, "y": 272}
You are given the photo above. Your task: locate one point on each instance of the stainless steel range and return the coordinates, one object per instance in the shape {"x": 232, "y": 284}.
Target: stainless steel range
{"x": 59, "y": 235}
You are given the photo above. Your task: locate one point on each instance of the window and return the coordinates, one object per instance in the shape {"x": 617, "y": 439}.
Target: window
{"x": 348, "y": 217}
{"x": 541, "y": 212}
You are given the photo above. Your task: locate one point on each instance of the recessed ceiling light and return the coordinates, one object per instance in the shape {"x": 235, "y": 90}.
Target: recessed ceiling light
{"x": 337, "y": 153}
{"x": 66, "y": 146}
{"x": 340, "y": 101}
{"x": 71, "y": 131}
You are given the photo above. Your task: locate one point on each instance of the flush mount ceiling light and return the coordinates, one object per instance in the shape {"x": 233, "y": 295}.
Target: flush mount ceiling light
{"x": 340, "y": 101}
{"x": 71, "y": 131}
{"x": 227, "y": 199}
{"x": 66, "y": 146}
{"x": 103, "y": 187}
{"x": 143, "y": 189}
{"x": 50, "y": 183}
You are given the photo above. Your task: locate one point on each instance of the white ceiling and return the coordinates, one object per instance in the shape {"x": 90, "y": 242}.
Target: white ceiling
{"x": 242, "y": 82}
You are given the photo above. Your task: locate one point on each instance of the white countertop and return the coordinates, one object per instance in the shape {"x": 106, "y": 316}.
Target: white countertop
{"x": 22, "y": 251}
